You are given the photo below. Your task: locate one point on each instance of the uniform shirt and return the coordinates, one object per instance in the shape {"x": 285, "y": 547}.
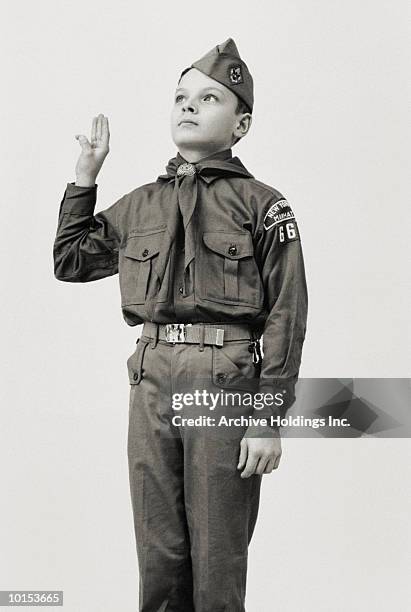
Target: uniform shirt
{"x": 249, "y": 265}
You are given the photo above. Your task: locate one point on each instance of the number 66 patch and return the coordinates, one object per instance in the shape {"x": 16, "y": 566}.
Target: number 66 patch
{"x": 281, "y": 216}
{"x": 288, "y": 232}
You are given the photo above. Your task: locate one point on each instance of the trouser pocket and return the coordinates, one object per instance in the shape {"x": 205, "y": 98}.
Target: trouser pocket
{"x": 135, "y": 362}
{"x": 233, "y": 366}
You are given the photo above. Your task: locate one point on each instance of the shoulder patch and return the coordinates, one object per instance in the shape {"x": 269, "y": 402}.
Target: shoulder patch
{"x": 277, "y": 213}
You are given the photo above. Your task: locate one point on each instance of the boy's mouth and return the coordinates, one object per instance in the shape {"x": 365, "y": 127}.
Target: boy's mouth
{"x": 185, "y": 121}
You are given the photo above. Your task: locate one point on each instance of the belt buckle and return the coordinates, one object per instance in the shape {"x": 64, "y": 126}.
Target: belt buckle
{"x": 175, "y": 332}
{"x": 219, "y": 337}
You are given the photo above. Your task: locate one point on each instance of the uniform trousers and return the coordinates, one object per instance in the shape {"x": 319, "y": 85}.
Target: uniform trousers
{"x": 194, "y": 515}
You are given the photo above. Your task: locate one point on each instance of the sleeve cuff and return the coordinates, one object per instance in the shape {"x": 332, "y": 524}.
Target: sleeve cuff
{"x": 79, "y": 200}
{"x": 278, "y": 395}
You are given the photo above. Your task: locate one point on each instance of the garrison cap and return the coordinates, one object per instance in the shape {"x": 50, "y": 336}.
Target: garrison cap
{"x": 224, "y": 64}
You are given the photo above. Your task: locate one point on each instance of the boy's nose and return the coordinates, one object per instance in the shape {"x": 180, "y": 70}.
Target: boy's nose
{"x": 189, "y": 106}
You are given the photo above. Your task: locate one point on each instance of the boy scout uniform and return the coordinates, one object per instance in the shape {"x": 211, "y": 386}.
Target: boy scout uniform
{"x": 209, "y": 259}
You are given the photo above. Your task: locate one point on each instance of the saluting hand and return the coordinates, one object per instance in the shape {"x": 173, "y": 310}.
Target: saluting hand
{"x": 93, "y": 152}
{"x": 259, "y": 455}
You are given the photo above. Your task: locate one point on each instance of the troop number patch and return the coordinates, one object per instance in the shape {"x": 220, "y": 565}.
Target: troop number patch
{"x": 288, "y": 231}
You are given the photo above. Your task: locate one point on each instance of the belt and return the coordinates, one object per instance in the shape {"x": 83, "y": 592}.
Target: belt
{"x": 198, "y": 333}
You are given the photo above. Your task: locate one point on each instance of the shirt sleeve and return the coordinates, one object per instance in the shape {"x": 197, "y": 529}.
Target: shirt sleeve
{"x": 280, "y": 255}
{"x": 86, "y": 245}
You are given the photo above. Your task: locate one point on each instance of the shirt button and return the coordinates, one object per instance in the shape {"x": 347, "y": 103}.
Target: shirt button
{"x": 145, "y": 253}
{"x": 221, "y": 378}
{"x": 232, "y": 249}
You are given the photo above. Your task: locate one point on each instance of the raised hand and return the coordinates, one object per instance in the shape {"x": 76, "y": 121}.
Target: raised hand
{"x": 93, "y": 152}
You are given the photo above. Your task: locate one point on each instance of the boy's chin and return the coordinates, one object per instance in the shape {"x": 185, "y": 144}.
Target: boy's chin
{"x": 197, "y": 143}
{"x": 191, "y": 142}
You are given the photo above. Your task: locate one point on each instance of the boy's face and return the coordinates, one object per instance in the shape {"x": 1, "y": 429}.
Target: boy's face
{"x": 203, "y": 115}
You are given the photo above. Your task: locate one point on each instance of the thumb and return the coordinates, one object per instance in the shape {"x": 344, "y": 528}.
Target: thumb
{"x": 243, "y": 454}
{"x": 85, "y": 145}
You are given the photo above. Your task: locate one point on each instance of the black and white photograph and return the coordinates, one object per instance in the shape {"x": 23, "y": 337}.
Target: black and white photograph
{"x": 206, "y": 398}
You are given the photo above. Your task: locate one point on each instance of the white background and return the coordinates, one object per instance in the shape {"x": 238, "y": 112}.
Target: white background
{"x": 331, "y": 132}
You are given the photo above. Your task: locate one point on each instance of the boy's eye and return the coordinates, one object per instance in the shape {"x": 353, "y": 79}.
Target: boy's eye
{"x": 206, "y": 97}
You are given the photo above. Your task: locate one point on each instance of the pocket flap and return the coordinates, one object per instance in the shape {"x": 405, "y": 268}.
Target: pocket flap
{"x": 233, "y": 245}
{"x": 144, "y": 247}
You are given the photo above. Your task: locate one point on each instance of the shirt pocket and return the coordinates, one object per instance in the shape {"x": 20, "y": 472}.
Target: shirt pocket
{"x": 228, "y": 271}
{"x": 136, "y": 267}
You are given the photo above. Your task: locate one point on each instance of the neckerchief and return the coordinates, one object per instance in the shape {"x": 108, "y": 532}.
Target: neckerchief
{"x": 186, "y": 177}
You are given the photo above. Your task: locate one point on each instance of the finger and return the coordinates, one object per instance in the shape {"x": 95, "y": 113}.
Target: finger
{"x": 250, "y": 466}
{"x": 269, "y": 467}
{"x": 99, "y": 121}
{"x": 105, "y": 131}
{"x": 94, "y": 130}
{"x": 277, "y": 461}
{"x": 84, "y": 143}
{"x": 243, "y": 454}
{"x": 260, "y": 467}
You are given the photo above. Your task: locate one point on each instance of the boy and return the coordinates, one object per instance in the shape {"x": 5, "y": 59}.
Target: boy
{"x": 208, "y": 258}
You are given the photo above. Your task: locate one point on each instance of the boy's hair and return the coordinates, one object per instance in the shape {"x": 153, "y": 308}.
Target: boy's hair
{"x": 241, "y": 108}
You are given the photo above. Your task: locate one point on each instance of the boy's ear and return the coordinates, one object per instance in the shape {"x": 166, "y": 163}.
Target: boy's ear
{"x": 242, "y": 125}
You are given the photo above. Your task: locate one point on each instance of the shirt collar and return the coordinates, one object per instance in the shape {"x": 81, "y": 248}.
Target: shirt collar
{"x": 224, "y": 160}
